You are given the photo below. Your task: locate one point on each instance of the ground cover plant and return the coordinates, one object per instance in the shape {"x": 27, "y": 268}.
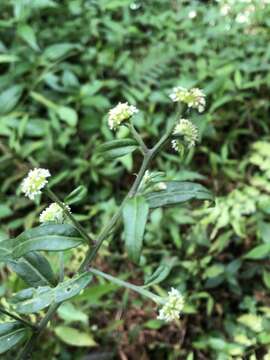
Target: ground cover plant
{"x": 64, "y": 65}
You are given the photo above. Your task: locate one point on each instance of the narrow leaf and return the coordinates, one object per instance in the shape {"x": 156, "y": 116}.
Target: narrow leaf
{"x": 135, "y": 214}
{"x": 178, "y": 192}
{"x": 76, "y": 195}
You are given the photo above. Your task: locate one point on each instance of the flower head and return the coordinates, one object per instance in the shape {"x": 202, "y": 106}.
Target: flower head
{"x": 172, "y": 308}
{"x": 120, "y": 113}
{"x": 53, "y": 213}
{"x": 34, "y": 182}
{"x": 194, "y": 98}
{"x": 188, "y": 131}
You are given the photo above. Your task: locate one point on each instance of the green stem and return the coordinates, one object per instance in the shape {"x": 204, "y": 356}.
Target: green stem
{"x": 78, "y": 226}
{"x": 138, "y": 138}
{"x": 29, "y": 346}
{"x": 15, "y": 317}
{"x": 157, "y": 299}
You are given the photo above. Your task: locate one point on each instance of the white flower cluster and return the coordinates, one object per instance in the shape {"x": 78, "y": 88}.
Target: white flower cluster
{"x": 53, "y": 213}
{"x": 120, "y": 113}
{"x": 34, "y": 182}
{"x": 188, "y": 131}
{"x": 193, "y": 98}
{"x": 173, "y": 307}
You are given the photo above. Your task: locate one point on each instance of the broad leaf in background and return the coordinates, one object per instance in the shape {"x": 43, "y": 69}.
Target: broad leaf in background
{"x": 34, "y": 269}
{"x": 178, "y": 192}
{"x": 9, "y": 98}
{"x": 11, "y": 334}
{"x": 116, "y": 148}
{"x": 135, "y": 214}
{"x": 259, "y": 252}
{"x": 53, "y": 237}
{"x": 74, "y": 337}
{"x": 33, "y": 300}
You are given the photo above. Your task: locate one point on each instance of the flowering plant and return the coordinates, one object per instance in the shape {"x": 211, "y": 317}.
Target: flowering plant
{"x": 60, "y": 230}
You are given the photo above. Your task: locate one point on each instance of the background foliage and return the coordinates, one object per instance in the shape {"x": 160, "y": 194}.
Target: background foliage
{"x": 63, "y": 65}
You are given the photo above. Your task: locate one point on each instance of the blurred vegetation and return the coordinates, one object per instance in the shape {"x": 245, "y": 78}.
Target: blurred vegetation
{"x": 64, "y": 64}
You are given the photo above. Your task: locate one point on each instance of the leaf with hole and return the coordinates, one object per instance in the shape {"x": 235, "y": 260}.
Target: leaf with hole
{"x": 33, "y": 300}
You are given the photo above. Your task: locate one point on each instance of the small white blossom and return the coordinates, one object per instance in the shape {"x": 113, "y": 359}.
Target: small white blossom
{"x": 53, "y": 213}
{"x": 173, "y": 307}
{"x": 120, "y": 113}
{"x": 34, "y": 182}
{"x": 194, "y": 98}
{"x": 188, "y": 131}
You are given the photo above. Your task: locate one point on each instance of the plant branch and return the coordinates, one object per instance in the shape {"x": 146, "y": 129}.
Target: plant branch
{"x": 138, "y": 138}
{"x": 79, "y": 227}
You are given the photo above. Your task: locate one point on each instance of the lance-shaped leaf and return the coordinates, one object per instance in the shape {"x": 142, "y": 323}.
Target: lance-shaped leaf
{"x": 5, "y": 250}
{"x": 52, "y": 237}
{"x": 117, "y": 148}
{"x": 34, "y": 269}
{"x": 178, "y": 192}
{"x": 76, "y": 195}
{"x": 33, "y": 300}
{"x": 11, "y": 334}
{"x": 161, "y": 272}
{"x": 135, "y": 214}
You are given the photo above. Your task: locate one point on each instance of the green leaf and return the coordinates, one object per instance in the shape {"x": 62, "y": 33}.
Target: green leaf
{"x": 9, "y": 98}
{"x": 33, "y": 300}
{"x": 76, "y": 196}
{"x": 161, "y": 272}
{"x": 117, "y": 148}
{"x": 5, "y": 250}
{"x": 56, "y": 51}
{"x": 178, "y": 192}
{"x": 68, "y": 115}
{"x": 259, "y": 252}
{"x": 11, "y": 334}
{"x": 135, "y": 214}
{"x": 27, "y": 34}
{"x": 74, "y": 337}
{"x": 34, "y": 269}
{"x": 69, "y": 313}
{"x": 52, "y": 237}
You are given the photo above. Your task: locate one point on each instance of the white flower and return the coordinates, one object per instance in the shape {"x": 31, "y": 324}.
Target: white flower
{"x": 53, "y": 213}
{"x": 188, "y": 131}
{"x": 120, "y": 113}
{"x": 173, "y": 306}
{"x": 194, "y": 98}
{"x": 34, "y": 182}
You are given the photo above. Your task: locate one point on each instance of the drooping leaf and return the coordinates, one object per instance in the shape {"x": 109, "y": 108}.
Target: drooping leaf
{"x": 34, "y": 269}
{"x": 74, "y": 337}
{"x": 52, "y": 237}
{"x": 135, "y": 214}
{"x": 11, "y": 334}
{"x": 178, "y": 192}
{"x": 33, "y": 300}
